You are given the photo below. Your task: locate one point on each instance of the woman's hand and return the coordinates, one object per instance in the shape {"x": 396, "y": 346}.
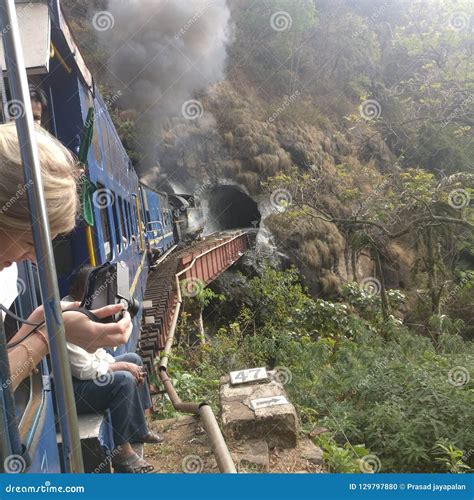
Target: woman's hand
{"x": 90, "y": 335}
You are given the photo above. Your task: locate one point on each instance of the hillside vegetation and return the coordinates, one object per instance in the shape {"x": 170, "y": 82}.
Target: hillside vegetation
{"x": 351, "y": 122}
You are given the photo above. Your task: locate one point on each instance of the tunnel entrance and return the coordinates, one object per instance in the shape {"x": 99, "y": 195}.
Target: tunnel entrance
{"x": 230, "y": 208}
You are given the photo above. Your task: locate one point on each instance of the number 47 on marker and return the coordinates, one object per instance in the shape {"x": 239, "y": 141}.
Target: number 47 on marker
{"x": 249, "y": 375}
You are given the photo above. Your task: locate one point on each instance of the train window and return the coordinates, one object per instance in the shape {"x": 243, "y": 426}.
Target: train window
{"x": 129, "y": 219}
{"x": 104, "y": 218}
{"x": 97, "y": 153}
{"x": 106, "y": 145}
{"x": 134, "y": 220}
{"x": 63, "y": 255}
{"x": 118, "y": 236}
{"x": 122, "y": 217}
{"x": 115, "y": 165}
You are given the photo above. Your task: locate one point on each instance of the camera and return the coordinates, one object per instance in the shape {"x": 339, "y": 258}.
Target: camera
{"x": 110, "y": 284}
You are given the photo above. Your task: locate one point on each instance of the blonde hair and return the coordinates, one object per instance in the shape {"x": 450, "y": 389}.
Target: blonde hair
{"x": 59, "y": 172}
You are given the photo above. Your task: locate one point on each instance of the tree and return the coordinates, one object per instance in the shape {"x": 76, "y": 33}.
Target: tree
{"x": 412, "y": 206}
{"x": 202, "y": 300}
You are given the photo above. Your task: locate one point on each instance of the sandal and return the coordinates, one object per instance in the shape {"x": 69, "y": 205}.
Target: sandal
{"x": 133, "y": 465}
{"x": 150, "y": 437}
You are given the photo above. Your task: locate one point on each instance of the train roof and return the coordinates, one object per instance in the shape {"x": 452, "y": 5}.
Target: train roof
{"x": 147, "y": 186}
{"x": 37, "y": 20}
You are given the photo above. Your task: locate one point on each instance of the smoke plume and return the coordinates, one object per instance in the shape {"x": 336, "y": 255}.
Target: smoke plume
{"x": 165, "y": 51}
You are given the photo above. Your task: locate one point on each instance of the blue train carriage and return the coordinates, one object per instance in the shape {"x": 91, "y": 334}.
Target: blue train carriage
{"x": 158, "y": 220}
{"x": 77, "y": 115}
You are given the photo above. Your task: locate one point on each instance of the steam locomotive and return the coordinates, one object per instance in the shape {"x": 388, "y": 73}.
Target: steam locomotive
{"x": 123, "y": 219}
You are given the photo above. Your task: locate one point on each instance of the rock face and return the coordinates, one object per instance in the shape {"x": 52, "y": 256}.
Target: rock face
{"x": 259, "y": 411}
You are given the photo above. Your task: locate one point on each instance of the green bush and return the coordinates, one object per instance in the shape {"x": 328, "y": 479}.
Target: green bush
{"x": 395, "y": 397}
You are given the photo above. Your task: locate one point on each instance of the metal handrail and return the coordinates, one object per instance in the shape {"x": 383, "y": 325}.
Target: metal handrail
{"x": 42, "y": 240}
{"x": 241, "y": 233}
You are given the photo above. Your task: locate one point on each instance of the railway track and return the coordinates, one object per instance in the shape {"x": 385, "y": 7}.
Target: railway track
{"x": 202, "y": 260}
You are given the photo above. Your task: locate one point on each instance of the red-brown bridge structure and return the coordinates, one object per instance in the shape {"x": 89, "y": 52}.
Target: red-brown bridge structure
{"x": 185, "y": 272}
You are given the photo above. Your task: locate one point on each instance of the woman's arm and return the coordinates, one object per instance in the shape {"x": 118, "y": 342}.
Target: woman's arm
{"x": 80, "y": 330}
{"x": 24, "y": 357}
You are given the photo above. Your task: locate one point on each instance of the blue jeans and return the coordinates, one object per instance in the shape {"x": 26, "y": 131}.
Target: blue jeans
{"x": 120, "y": 393}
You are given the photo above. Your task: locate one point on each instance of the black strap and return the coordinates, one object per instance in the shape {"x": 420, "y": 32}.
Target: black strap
{"x": 17, "y": 318}
{"x": 85, "y": 311}
{"x": 82, "y": 310}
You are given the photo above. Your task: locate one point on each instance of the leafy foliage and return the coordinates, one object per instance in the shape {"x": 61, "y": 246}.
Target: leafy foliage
{"x": 395, "y": 395}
